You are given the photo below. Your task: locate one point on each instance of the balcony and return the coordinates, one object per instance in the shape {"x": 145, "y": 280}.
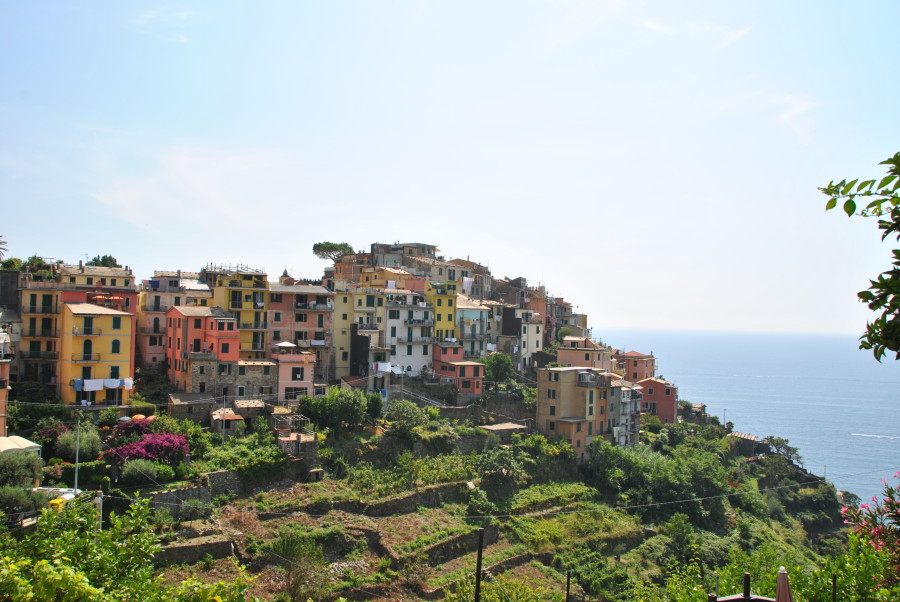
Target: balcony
{"x": 155, "y": 308}
{"x": 40, "y": 333}
{"x": 364, "y": 308}
{"x": 199, "y": 355}
{"x": 40, "y": 309}
{"x": 254, "y": 326}
{"x": 592, "y": 383}
{"x": 85, "y": 331}
{"x": 39, "y": 355}
{"x": 473, "y": 336}
{"x": 85, "y": 357}
{"x": 315, "y": 306}
{"x": 368, "y": 328}
{"x": 418, "y": 322}
{"x": 160, "y": 330}
{"x": 403, "y": 339}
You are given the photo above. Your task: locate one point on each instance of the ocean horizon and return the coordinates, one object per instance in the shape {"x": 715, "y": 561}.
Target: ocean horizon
{"x": 830, "y": 399}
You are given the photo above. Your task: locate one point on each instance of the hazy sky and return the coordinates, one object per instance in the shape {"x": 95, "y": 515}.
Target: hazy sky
{"x": 656, "y": 163}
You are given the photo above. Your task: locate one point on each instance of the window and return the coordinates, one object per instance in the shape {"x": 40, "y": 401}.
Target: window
{"x": 668, "y": 391}
{"x": 393, "y": 350}
{"x": 90, "y": 280}
{"x": 578, "y": 427}
{"x": 466, "y": 384}
{"x": 266, "y": 370}
{"x": 650, "y": 391}
{"x": 224, "y": 369}
{"x": 345, "y": 356}
{"x": 393, "y": 314}
{"x": 225, "y": 347}
{"x": 277, "y": 317}
{"x": 449, "y": 302}
{"x": 462, "y": 371}
{"x": 554, "y": 377}
{"x": 265, "y": 390}
{"x": 240, "y": 391}
{"x": 449, "y": 317}
{"x": 242, "y": 370}
{"x": 299, "y": 317}
{"x": 590, "y": 410}
{"x": 409, "y": 350}
{"x": 343, "y": 316}
{"x": 440, "y": 302}
{"x": 198, "y": 323}
{"x": 117, "y": 322}
{"x": 114, "y": 372}
{"x": 112, "y": 282}
{"x": 177, "y": 300}
{"x": 275, "y": 298}
{"x": 202, "y": 390}
{"x": 587, "y": 357}
{"x": 297, "y": 373}
{"x": 551, "y": 426}
{"x": 553, "y": 410}
{"x": 116, "y": 347}
{"x": 551, "y": 393}
{"x": 590, "y": 428}
{"x": 201, "y": 370}
{"x": 424, "y": 349}
{"x": 276, "y": 335}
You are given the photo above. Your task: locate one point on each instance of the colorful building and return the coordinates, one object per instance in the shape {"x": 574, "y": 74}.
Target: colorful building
{"x": 636, "y": 366}
{"x": 303, "y": 314}
{"x": 574, "y": 403}
{"x": 96, "y": 354}
{"x": 243, "y": 291}
{"x": 660, "y": 398}
{"x": 585, "y": 353}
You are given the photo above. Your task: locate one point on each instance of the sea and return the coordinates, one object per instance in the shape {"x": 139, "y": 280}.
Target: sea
{"x": 830, "y": 399}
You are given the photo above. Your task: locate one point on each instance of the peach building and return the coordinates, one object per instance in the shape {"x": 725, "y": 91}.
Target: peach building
{"x": 636, "y": 366}
{"x": 660, "y": 398}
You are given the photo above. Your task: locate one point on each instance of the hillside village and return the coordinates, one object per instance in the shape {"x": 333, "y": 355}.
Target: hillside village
{"x": 374, "y": 321}
{"x": 360, "y": 435}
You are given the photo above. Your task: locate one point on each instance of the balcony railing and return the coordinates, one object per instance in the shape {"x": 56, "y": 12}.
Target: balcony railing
{"x": 254, "y": 326}
{"x": 368, "y": 327}
{"x": 85, "y": 331}
{"x": 592, "y": 382}
{"x": 404, "y": 339}
{"x": 155, "y": 308}
{"x": 47, "y": 333}
{"x": 364, "y": 308}
{"x": 314, "y": 306}
{"x": 160, "y": 330}
{"x": 85, "y": 357}
{"x": 419, "y": 322}
{"x": 40, "y": 309}
{"x": 40, "y": 355}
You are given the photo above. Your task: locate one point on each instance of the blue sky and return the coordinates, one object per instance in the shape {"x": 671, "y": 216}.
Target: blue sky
{"x": 654, "y": 162}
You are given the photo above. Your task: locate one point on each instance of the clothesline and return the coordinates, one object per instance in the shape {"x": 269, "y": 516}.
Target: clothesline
{"x": 98, "y": 384}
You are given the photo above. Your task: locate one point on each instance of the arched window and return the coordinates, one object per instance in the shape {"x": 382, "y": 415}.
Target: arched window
{"x": 116, "y": 346}
{"x": 86, "y": 349}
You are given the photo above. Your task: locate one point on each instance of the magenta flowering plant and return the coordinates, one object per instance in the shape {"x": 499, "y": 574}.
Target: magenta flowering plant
{"x": 129, "y": 432}
{"x": 878, "y": 523}
{"x": 167, "y": 448}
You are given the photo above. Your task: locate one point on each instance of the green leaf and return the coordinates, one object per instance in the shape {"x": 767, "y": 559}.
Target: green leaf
{"x": 865, "y": 184}
{"x": 885, "y": 181}
{"x": 849, "y": 207}
{"x": 831, "y": 204}
{"x": 849, "y": 186}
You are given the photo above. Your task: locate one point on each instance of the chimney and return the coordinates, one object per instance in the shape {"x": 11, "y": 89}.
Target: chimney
{"x": 81, "y": 265}
{"x": 179, "y": 274}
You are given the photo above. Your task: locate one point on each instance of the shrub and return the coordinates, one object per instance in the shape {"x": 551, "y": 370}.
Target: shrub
{"x": 138, "y": 472}
{"x": 20, "y": 468}
{"x": 89, "y": 444}
{"x": 194, "y": 509}
{"x": 16, "y": 499}
{"x": 163, "y": 447}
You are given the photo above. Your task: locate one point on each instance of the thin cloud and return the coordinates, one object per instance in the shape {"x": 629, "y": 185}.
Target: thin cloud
{"x": 795, "y": 113}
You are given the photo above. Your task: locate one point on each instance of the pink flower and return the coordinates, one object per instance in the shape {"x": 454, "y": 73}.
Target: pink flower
{"x": 844, "y": 510}
{"x": 863, "y": 506}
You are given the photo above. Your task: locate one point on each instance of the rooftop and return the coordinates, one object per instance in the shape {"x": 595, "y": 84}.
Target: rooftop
{"x": 89, "y": 309}
{"x": 203, "y": 311}
{"x": 67, "y": 269}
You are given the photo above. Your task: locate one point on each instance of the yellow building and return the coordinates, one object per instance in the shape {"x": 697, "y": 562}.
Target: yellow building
{"x": 39, "y": 343}
{"x": 96, "y": 354}
{"x": 358, "y": 313}
{"x": 442, "y": 297}
{"x": 244, "y": 292}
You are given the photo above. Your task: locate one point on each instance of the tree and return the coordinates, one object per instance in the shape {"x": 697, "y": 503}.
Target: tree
{"x": 498, "y": 368}
{"x": 882, "y": 199}
{"x": 106, "y": 261}
{"x": 374, "y": 405}
{"x": 781, "y": 447}
{"x": 3, "y": 247}
{"x": 405, "y": 416}
{"x": 20, "y": 469}
{"x": 331, "y": 250}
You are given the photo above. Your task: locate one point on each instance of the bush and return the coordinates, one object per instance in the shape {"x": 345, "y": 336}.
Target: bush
{"x": 89, "y": 473}
{"x": 139, "y": 472}
{"x": 89, "y": 445}
{"x": 164, "y": 447}
{"x": 20, "y": 469}
{"x": 194, "y": 510}
{"x": 16, "y": 499}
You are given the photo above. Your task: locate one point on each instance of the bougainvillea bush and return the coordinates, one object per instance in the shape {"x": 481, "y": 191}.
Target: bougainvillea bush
{"x": 129, "y": 432}
{"x": 878, "y": 523}
{"x": 167, "y": 448}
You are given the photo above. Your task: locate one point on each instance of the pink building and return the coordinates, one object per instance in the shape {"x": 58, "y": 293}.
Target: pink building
{"x": 660, "y": 398}
{"x": 195, "y": 333}
{"x": 635, "y": 366}
{"x": 296, "y": 373}
{"x": 584, "y": 353}
{"x": 303, "y": 314}
{"x": 447, "y": 360}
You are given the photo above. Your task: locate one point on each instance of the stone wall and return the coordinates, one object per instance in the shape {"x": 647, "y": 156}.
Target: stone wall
{"x": 194, "y": 550}
{"x": 173, "y": 499}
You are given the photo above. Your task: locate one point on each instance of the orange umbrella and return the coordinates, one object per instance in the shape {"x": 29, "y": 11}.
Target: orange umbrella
{"x": 138, "y": 417}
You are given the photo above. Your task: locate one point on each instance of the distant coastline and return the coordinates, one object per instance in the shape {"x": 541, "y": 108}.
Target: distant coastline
{"x": 831, "y": 400}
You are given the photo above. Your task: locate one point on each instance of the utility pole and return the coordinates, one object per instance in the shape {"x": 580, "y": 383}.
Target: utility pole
{"x": 77, "y": 447}
{"x": 98, "y": 503}
{"x": 478, "y": 565}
